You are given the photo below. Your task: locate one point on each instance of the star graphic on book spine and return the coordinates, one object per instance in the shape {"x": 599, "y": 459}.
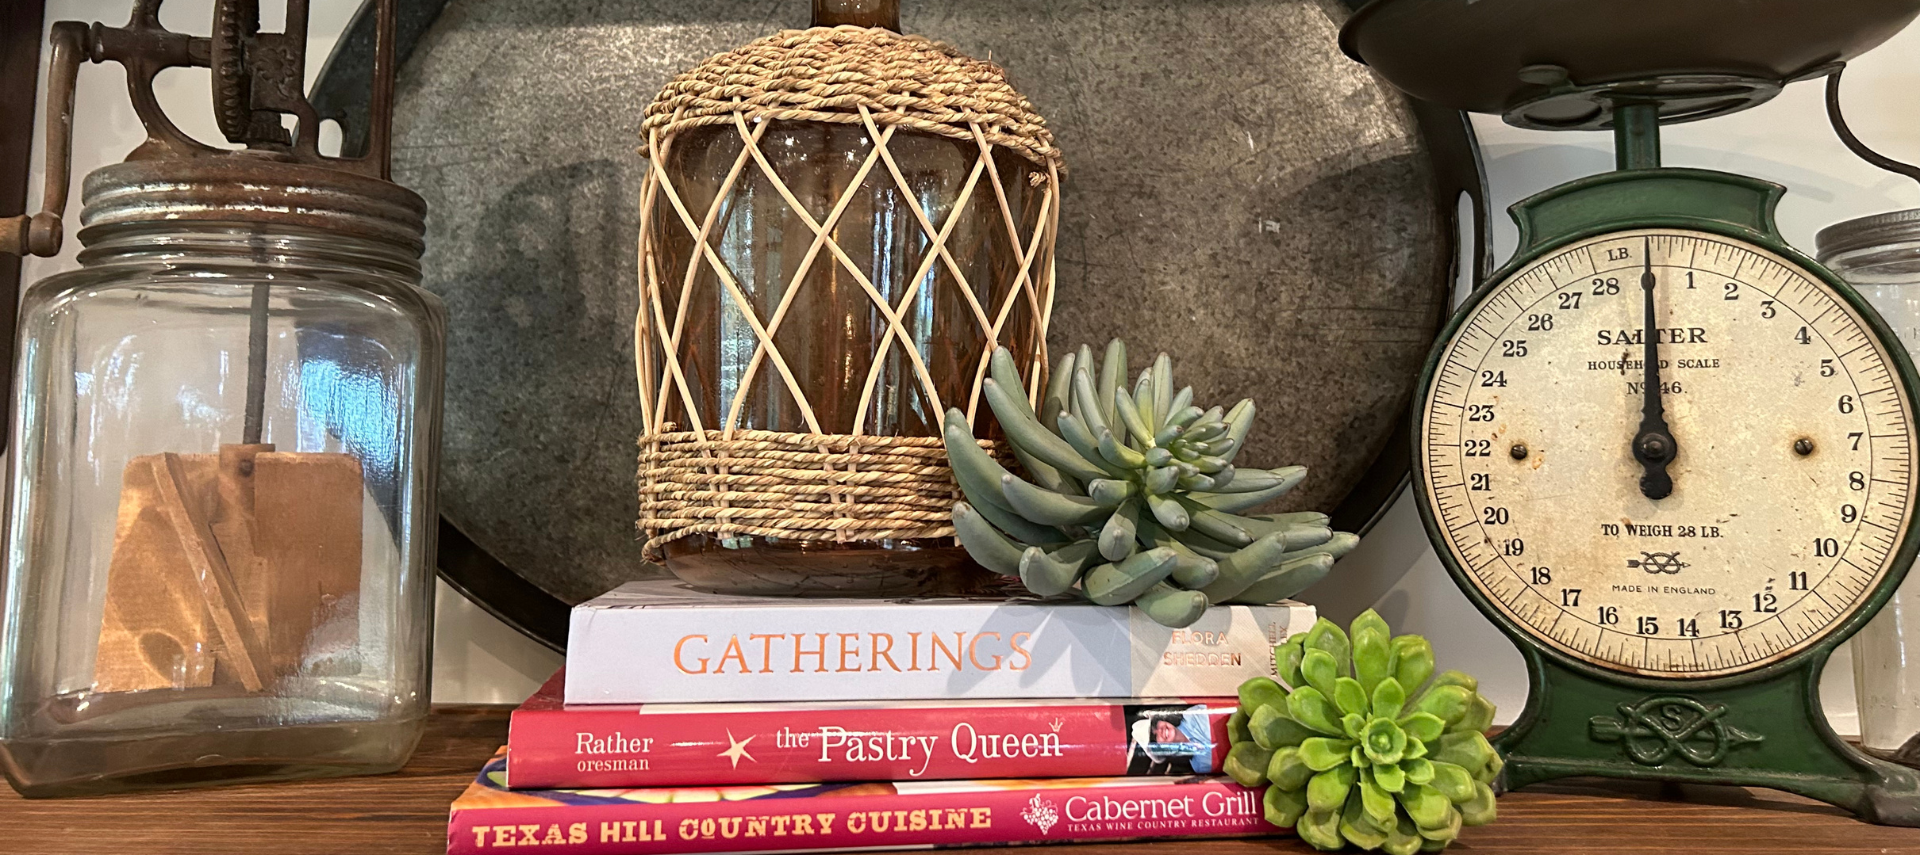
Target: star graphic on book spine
{"x": 736, "y": 749}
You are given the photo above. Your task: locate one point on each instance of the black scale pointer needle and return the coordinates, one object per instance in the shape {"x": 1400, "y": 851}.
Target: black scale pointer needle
{"x": 1654, "y": 446}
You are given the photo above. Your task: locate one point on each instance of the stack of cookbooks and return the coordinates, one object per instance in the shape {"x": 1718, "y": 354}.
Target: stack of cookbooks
{"x": 690, "y": 722}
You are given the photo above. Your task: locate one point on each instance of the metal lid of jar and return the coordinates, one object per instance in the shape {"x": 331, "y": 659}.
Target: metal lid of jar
{"x": 280, "y": 177}
{"x": 1867, "y": 232}
{"x": 246, "y": 189}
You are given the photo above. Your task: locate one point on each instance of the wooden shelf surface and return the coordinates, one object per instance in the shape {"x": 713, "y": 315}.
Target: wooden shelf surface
{"x": 406, "y": 813}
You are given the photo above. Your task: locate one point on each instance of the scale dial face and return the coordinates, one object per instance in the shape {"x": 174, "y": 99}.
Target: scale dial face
{"x": 1791, "y": 484}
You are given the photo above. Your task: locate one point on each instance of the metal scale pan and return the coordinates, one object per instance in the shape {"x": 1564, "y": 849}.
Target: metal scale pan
{"x": 1239, "y": 194}
{"x": 1563, "y": 64}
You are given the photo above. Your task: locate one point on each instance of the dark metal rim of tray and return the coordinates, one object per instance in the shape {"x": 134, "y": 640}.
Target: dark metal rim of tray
{"x": 469, "y": 568}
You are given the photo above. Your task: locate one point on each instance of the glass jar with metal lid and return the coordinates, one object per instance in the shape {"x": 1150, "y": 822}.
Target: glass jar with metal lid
{"x": 220, "y": 550}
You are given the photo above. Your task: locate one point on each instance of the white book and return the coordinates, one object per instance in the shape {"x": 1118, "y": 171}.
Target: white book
{"x": 657, "y": 641}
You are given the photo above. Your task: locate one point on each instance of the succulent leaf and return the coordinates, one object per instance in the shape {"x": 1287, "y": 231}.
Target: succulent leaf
{"x": 1327, "y": 635}
{"x": 1423, "y": 726}
{"x": 1418, "y": 771}
{"x": 990, "y": 548}
{"x": 1007, "y": 375}
{"x": 1320, "y": 671}
{"x": 1287, "y": 659}
{"x": 1378, "y": 802}
{"x": 1025, "y": 431}
{"x": 1321, "y": 753}
{"x": 1237, "y": 730}
{"x": 1109, "y": 492}
{"x": 1328, "y": 790}
{"x": 1416, "y": 749}
{"x": 1447, "y": 830}
{"x": 1048, "y": 507}
{"x": 1118, "y": 533}
{"x": 1388, "y": 698}
{"x": 1283, "y": 806}
{"x": 1455, "y": 678}
{"x": 1449, "y": 703}
{"x": 1124, "y": 581}
{"x": 1308, "y": 706}
{"x": 1478, "y": 810}
{"x": 1357, "y": 824}
{"x": 1349, "y": 697}
{"x": 1414, "y": 662}
{"x": 1048, "y": 573}
{"x": 1288, "y": 579}
{"x": 1192, "y": 571}
{"x": 1354, "y": 725}
{"x": 1260, "y": 692}
{"x": 1113, "y": 372}
{"x": 1059, "y": 386}
{"x": 1219, "y": 525}
{"x": 1372, "y": 656}
{"x": 1271, "y": 727}
{"x": 1130, "y": 417}
{"x": 1426, "y": 806}
{"x": 1082, "y": 441}
{"x": 1467, "y": 749}
{"x": 1452, "y": 782}
{"x": 1241, "y": 567}
{"x": 1392, "y": 777}
{"x": 1320, "y": 827}
{"x": 1288, "y": 770}
{"x": 1168, "y": 512}
{"x": 1404, "y": 839}
{"x": 1247, "y": 764}
{"x": 1172, "y": 607}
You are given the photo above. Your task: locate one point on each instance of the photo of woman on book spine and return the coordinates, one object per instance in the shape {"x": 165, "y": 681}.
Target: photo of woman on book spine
{"x": 1177, "y": 740}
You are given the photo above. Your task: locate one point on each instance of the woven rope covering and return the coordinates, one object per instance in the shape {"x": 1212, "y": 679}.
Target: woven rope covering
{"x": 828, "y": 74}
{"x": 792, "y": 485}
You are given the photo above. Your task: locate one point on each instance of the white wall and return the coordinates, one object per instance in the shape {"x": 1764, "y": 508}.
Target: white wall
{"x": 476, "y": 659}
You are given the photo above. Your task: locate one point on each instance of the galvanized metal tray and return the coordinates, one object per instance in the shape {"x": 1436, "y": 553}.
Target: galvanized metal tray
{"x": 1239, "y": 194}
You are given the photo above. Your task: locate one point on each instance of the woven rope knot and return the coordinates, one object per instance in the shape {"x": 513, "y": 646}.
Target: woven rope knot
{"x": 828, "y": 74}
{"x": 797, "y": 486}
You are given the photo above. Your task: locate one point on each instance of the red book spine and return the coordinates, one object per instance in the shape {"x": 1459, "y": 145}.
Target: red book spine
{"x": 971, "y": 814}
{"x": 720, "y": 745}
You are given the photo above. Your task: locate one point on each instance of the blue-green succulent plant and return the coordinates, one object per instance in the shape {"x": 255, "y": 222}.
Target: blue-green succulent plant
{"x": 1131, "y": 497}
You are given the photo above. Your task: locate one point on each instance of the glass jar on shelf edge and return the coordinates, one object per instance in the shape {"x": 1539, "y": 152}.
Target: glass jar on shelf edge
{"x": 1879, "y": 256}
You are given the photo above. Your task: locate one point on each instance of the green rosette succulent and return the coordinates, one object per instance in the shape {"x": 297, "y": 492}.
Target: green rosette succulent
{"x": 1355, "y": 744}
{"x": 1133, "y": 497}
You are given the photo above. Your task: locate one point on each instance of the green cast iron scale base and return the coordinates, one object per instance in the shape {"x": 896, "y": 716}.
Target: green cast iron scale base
{"x": 1604, "y": 700}
{"x": 1669, "y": 455}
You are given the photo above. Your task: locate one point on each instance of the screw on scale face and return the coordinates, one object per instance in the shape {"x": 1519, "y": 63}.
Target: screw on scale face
{"x": 1652, "y": 447}
{"x": 1518, "y": 451}
{"x": 1803, "y": 446}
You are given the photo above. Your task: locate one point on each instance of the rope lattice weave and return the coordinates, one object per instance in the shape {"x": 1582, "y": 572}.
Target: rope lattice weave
{"x": 828, "y": 74}
{"x": 793, "y": 485}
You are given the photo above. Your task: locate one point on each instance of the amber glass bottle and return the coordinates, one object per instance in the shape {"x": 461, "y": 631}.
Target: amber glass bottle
{"x": 830, "y": 333}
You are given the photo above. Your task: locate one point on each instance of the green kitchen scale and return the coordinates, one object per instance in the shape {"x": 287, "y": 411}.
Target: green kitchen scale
{"x": 1668, "y": 454}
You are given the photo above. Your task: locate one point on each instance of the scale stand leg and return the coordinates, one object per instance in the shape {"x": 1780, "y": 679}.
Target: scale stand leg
{"x": 1768, "y": 732}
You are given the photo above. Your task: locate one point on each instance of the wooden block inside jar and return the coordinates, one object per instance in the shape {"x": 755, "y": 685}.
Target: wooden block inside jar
{"x": 224, "y": 564}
